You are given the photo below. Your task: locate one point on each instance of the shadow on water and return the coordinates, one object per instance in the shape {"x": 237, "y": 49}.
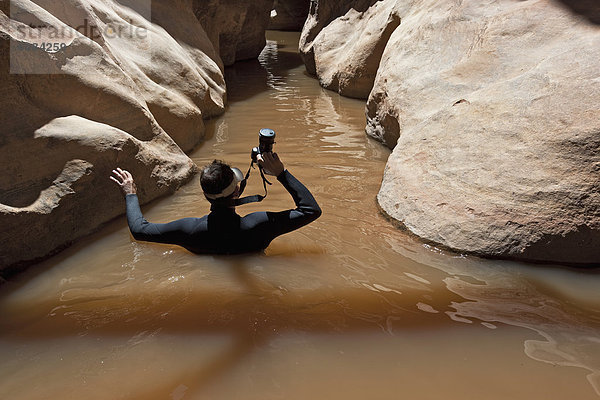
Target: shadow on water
{"x": 256, "y": 314}
{"x": 246, "y": 79}
{"x": 258, "y": 308}
{"x": 249, "y": 75}
{"x": 206, "y": 373}
{"x": 259, "y": 311}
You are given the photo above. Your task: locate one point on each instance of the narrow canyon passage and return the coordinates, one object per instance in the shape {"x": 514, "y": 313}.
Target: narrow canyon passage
{"x": 348, "y": 307}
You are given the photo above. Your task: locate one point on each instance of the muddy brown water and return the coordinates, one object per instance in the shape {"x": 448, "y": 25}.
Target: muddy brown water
{"x": 348, "y": 307}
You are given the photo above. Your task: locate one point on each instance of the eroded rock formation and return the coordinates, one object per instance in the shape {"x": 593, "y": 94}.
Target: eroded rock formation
{"x": 235, "y": 27}
{"x": 322, "y": 13}
{"x": 493, "y": 114}
{"x": 130, "y": 87}
{"x": 347, "y": 51}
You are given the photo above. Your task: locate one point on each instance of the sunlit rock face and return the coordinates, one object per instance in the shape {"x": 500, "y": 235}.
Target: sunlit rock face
{"x": 322, "y": 13}
{"x": 346, "y": 52}
{"x": 235, "y": 27}
{"x": 129, "y": 87}
{"x": 493, "y": 114}
{"x": 289, "y": 15}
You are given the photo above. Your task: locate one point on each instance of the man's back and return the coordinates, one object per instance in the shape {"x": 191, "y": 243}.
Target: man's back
{"x": 223, "y": 231}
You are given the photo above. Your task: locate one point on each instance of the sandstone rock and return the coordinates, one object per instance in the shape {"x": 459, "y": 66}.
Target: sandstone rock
{"x": 235, "y": 27}
{"x": 133, "y": 99}
{"x": 348, "y": 50}
{"x": 491, "y": 109}
{"x": 289, "y": 15}
{"x": 320, "y": 14}
{"x": 494, "y": 114}
{"x": 61, "y": 195}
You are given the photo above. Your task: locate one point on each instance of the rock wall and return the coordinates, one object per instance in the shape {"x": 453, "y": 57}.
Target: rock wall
{"x": 346, "y": 52}
{"x": 289, "y": 15}
{"x": 129, "y": 87}
{"x": 321, "y": 13}
{"x": 235, "y": 27}
{"x": 493, "y": 114}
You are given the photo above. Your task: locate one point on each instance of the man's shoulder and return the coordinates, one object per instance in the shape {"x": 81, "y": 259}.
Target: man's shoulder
{"x": 254, "y": 218}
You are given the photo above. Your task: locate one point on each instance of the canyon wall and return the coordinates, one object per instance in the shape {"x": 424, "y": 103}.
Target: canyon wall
{"x": 289, "y": 15}
{"x": 344, "y": 53}
{"x": 122, "y": 83}
{"x": 235, "y": 27}
{"x": 492, "y": 111}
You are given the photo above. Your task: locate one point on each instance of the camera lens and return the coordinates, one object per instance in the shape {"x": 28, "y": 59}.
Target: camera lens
{"x": 267, "y": 134}
{"x": 266, "y": 138}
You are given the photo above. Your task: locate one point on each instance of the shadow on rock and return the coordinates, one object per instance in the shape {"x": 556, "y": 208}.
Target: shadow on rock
{"x": 587, "y": 8}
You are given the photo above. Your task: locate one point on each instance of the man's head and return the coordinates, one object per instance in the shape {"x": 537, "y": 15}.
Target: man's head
{"x": 220, "y": 182}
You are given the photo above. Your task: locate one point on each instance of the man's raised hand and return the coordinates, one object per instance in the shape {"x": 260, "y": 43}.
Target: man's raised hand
{"x": 124, "y": 179}
{"x": 270, "y": 163}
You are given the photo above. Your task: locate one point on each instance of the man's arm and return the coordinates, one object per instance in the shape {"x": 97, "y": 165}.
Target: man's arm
{"x": 307, "y": 209}
{"x": 176, "y": 232}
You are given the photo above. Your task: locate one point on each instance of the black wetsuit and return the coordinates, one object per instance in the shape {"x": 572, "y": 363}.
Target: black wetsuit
{"x": 223, "y": 231}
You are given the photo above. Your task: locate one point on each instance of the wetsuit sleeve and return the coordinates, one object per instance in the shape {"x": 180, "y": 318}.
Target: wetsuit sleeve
{"x": 176, "y": 232}
{"x": 306, "y": 211}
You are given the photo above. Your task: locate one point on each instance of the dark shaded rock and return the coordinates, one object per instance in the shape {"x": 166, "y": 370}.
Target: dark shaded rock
{"x": 289, "y": 15}
{"x": 235, "y": 27}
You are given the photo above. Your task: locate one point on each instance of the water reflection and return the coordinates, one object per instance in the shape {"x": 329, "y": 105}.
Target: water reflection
{"x": 508, "y": 293}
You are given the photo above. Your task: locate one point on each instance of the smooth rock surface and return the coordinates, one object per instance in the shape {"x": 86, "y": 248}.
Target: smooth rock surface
{"x": 347, "y": 52}
{"x": 134, "y": 100}
{"x": 289, "y": 15}
{"x": 494, "y": 114}
{"x": 320, "y": 14}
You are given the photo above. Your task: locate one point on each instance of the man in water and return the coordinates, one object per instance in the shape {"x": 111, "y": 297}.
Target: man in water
{"x": 223, "y": 231}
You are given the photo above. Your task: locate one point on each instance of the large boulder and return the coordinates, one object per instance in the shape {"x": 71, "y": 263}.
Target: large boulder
{"x": 321, "y": 13}
{"x": 493, "y": 114}
{"x": 347, "y": 51}
{"x": 289, "y": 15}
{"x": 130, "y": 88}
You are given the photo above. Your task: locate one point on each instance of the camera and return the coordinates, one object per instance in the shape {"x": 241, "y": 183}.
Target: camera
{"x": 266, "y": 138}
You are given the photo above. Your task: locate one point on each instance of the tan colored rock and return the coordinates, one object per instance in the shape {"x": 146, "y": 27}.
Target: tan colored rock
{"x": 235, "y": 27}
{"x": 494, "y": 114}
{"x": 320, "y": 14}
{"x": 61, "y": 195}
{"x": 492, "y": 111}
{"x": 133, "y": 99}
{"x": 289, "y": 15}
{"x": 348, "y": 50}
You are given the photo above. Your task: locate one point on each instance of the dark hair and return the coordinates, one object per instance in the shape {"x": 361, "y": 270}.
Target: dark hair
{"x": 215, "y": 177}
